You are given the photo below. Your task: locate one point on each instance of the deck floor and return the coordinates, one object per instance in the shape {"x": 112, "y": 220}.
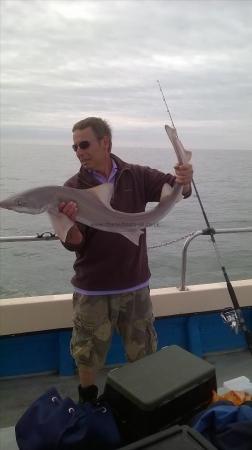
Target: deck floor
{"x": 17, "y": 394}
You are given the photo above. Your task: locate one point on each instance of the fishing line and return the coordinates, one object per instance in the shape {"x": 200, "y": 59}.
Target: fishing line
{"x": 165, "y": 102}
{"x": 233, "y": 317}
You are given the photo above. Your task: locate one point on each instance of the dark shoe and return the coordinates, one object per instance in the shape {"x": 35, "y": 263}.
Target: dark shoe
{"x": 88, "y": 394}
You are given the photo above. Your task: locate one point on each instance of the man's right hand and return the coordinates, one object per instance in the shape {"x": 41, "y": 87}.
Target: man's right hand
{"x": 74, "y": 236}
{"x": 69, "y": 209}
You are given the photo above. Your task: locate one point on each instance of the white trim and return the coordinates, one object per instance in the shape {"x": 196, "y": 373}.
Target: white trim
{"x": 50, "y": 312}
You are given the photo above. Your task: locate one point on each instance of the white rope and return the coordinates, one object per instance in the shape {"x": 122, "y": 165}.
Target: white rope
{"x": 164, "y": 244}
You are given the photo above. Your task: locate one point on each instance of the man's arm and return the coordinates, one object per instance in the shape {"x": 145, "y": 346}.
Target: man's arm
{"x": 154, "y": 181}
{"x": 74, "y": 236}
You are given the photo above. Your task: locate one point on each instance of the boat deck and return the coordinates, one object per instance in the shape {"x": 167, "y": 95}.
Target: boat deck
{"x": 18, "y": 393}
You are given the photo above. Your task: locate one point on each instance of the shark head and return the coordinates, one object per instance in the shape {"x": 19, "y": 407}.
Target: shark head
{"x": 25, "y": 202}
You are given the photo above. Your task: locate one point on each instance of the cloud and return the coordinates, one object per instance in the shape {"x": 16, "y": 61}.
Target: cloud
{"x": 66, "y": 60}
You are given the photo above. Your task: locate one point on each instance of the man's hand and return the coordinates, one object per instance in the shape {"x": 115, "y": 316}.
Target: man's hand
{"x": 184, "y": 175}
{"x": 74, "y": 236}
{"x": 69, "y": 209}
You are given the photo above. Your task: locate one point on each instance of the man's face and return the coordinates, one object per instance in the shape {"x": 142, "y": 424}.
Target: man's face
{"x": 95, "y": 155}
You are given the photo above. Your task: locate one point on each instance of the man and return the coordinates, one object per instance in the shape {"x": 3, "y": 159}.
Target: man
{"x": 111, "y": 281}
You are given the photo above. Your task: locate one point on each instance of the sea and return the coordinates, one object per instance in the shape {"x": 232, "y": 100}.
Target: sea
{"x": 223, "y": 180}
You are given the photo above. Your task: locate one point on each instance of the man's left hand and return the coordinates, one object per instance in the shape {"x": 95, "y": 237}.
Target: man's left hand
{"x": 184, "y": 173}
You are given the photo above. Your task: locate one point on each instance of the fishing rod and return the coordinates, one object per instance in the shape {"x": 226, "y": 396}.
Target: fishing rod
{"x": 233, "y": 317}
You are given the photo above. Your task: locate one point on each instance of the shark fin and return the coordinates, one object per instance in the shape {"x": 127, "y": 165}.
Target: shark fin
{"x": 61, "y": 224}
{"x": 188, "y": 155}
{"x": 104, "y": 192}
{"x": 133, "y": 236}
{"x": 167, "y": 191}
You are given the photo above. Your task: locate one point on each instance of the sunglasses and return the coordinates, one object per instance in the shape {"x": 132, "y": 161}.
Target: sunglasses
{"x": 83, "y": 145}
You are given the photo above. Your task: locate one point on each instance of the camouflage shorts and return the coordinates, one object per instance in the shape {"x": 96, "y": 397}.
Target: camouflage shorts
{"x": 95, "y": 317}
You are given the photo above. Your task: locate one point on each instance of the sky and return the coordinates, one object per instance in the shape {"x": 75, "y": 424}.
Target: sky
{"x": 65, "y": 60}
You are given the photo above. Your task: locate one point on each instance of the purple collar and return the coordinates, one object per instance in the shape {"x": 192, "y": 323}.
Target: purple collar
{"x": 102, "y": 178}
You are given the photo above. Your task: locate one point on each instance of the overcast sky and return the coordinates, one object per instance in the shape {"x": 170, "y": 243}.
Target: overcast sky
{"x": 65, "y": 60}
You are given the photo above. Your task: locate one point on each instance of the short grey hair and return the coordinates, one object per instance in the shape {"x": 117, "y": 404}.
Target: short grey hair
{"x": 99, "y": 126}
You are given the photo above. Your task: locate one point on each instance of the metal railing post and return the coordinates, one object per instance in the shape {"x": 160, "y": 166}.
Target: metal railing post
{"x": 204, "y": 232}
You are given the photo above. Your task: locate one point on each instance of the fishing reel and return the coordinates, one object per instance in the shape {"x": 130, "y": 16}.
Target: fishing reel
{"x": 230, "y": 317}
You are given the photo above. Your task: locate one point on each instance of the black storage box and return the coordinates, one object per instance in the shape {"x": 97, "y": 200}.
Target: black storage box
{"x": 175, "y": 438}
{"x": 159, "y": 390}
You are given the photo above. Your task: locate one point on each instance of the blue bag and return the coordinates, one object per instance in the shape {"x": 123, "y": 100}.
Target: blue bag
{"x": 51, "y": 423}
{"x": 227, "y": 426}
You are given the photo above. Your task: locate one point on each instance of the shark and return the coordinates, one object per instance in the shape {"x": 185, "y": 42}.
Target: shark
{"x": 94, "y": 208}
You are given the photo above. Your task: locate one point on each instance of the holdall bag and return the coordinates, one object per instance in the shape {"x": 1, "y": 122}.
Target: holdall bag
{"x": 226, "y": 425}
{"x": 53, "y": 423}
